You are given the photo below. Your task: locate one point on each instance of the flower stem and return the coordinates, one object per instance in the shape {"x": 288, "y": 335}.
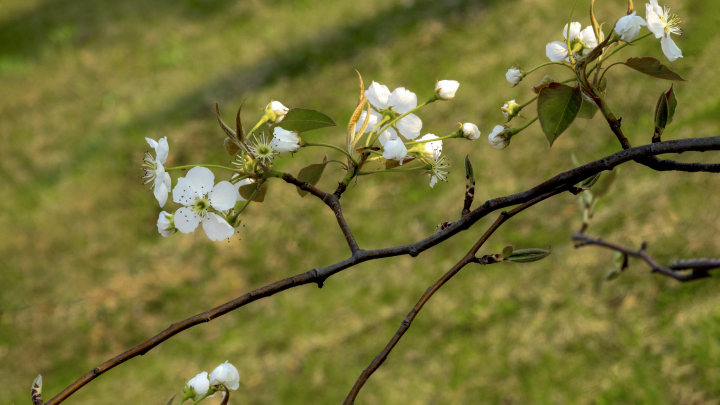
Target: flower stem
{"x": 528, "y": 103}
{"x": 263, "y": 120}
{"x": 329, "y": 146}
{"x": 167, "y": 169}
{"x": 456, "y": 134}
{"x": 411, "y": 169}
{"x": 621, "y": 47}
{"x": 515, "y": 131}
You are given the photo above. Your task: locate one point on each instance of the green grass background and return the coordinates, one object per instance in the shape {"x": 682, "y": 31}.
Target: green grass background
{"x": 84, "y": 274}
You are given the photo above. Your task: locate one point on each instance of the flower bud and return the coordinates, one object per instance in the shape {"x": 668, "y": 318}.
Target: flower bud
{"x": 510, "y": 109}
{"x": 285, "y": 141}
{"x": 166, "y": 224}
{"x": 514, "y": 76}
{"x": 275, "y": 111}
{"x": 395, "y": 149}
{"x": 445, "y": 89}
{"x": 628, "y": 27}
{"x": 196, "y": 387}
{"x": 499, "y": 137}
{"x": 227, "y": 375}
{"x": 470, "y": 131}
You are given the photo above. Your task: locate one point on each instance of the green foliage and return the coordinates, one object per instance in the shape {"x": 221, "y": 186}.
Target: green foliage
{"x": 254, "y": 191}
{"x": 310, "y": 174}
{"x": 469, "y": 172}
{"x": 304, "y": 120}
{"x": 558, "y": 105}
{"x": 652, "y": 67}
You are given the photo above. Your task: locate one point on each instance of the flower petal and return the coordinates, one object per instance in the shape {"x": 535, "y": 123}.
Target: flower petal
{"x": 153, "y": 144}
{"x": 162, "y": 150}
{"x": 239, "y": 184}
{"x": 402, "y": 100}
{"x": 433, "y": 181}
{"x": 410, "y": 126}
{"x": 371, "y": 124}
{"x": 378, "y": 95}
{"x": 183, "y": 194}
{"x": 654, "y": 23}
{"x": 216, "y": 227}
{"x": 587, "y": 36}
{"x": 556, "y": 51}
{"x": 201, "y": 180}
{"x": 186, "y": 221}
{"x": 395, "y": 149}
{"x": 670, "y": 49}
{"x": 387, "y": 135}
{"x": 575, "y": 28}
{"x": 222, "y": 197}
{"x": 164, "y": 223}
{"x": 161, "y": 190}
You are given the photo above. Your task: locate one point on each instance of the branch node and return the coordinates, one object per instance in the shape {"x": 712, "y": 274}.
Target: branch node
{"x": 96, "y": 370}
{"x": 405, "y": 323}
{"x": 413, "y": 252}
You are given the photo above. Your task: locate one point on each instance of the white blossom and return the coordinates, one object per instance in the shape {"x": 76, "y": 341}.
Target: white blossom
{"x": 401, "y": 101}
{"x": 432, "y": 146}
{"x": 285, "y": 141}
{"x": 165, "y": 224}
{"x": 662, "y": 24}
{"x": 628, "y": 27}
{"x": 557, "y": 51}
{"x": 196, "y": 192}
{"x": 445, "y": 89}
{"x": 279, "y": 109}
{"x": 470, "y": 131}
{"x": 514, "y": 75}
{"x": 155, "y": 171}
{"x": 498, "y": 137}
{"x": 200, "y": 383}
{"x": 261, "y": 149}
{"x": 394, "y": 149}
{"x": 227, "y": 375}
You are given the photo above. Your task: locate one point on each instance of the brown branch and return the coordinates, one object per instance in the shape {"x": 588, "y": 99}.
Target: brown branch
{"x": 699, "y": 267}
{"x": 468, "y": 258}
{"x": 319, "y": 275}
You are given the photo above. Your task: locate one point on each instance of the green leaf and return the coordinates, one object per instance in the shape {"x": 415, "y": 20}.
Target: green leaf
{"x": 507, "y": 251}
{"x": 469, "y": 172}
{"x": 311, "y": 175}
{"x": 248, "y": 190}
{"x": 575, "y": 161}
{"x": 172, "y": 399}
{"x": 304, "y": 120}
{"x": 653, "y": 67}
{"x": 528, "y": 255}
{"x": 672, "y": 104}
{"x": 558, "y": 105}
{"x": 661, "y": 112}
{"x": 612, "y": 274}
{"x": 587, "y": 110}
{"x": 589, "y": 182}
{"x": 606, "y": 180}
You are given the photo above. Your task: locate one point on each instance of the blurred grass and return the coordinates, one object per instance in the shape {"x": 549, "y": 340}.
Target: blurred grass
{"x": 84, "y": 274}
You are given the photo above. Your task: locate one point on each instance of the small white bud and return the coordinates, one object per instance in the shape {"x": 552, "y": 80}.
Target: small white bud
{"x": 165, "y": 224}
{"x": 510, "y": 109}
{"x": 395, "y": 149}
{"x": 276, "y": 111}
{"x": 514, "y": 75}
{"x": 470, "y": 131}
{"x": 227, "y": 375}
{"x": 445, "y": 89}
{"x": 628, "y": 27}
{"x": 499, "y": 138}
{"x": 285, "y": 141}
{"x": 197, "y": 386}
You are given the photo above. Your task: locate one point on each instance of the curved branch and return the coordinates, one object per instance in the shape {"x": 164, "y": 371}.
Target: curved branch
{"x": 319, "y": 275}
{"x": 468, "y": 258}
{"x": 699, "y": 267}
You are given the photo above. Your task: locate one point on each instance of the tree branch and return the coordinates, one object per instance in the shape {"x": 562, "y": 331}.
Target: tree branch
{"x": 319, "y": 275}
{"x": 699, "y": 267}
{"x": 468, "y": 258}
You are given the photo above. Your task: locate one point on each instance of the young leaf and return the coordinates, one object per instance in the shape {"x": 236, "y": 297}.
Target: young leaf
{"x": 606, "y": 180}
{"x": 528, "y": 255}
{"x": 172, "y": 399}
{"x": 589, "y": 182}
{"x": 575, "y": 161}
{"x": 228, "y": 131}
{"x": 304, "y": 120}
{"x": 469, "y": 172}
{"x": 652, "y": 67}
{"x": 671, "y": 103}
{"x": 507, "y": 251}
{"x": 231, "y": 147}
{"x": 587, "y": 110}
{"x": 311, "y": 175}
{"x": 239, "y": 131}
{"x": 248, "y": 190}
{"x": 558, "y": 105}
{"x": 661, "y": 112}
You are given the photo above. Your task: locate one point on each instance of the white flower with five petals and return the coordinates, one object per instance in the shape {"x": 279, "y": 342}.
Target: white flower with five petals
{"x": 583, "y": 40}
{"x": 401, "y": 101}
{"x": 662, "y": 24}
{"x": 196, "y": 192}
{"x": 154, "y": 170}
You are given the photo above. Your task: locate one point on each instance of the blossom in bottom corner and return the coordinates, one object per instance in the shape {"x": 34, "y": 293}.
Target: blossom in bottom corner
{"x": 226, "y": 375}
{"x": 196, "y": 192}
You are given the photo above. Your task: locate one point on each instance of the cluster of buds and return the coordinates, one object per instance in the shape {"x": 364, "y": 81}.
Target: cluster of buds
{"x": 224, "y": 378}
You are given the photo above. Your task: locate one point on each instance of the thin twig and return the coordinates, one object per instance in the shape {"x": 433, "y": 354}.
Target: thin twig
{"x": 699, "y": 267}
{"x": 469, "y": 258}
